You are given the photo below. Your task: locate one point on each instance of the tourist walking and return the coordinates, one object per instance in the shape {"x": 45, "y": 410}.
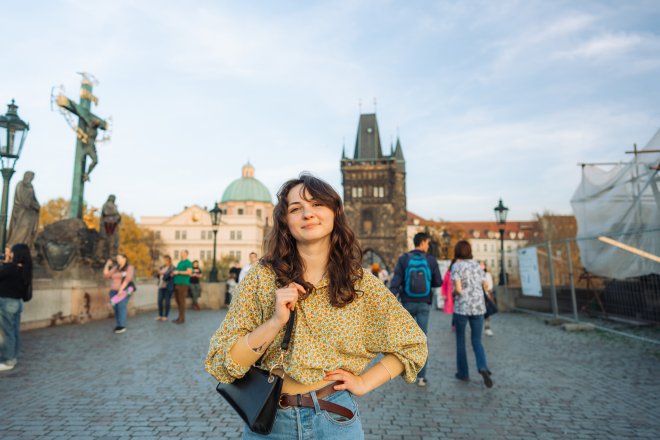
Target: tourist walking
{"x": 447, "y": 293}
{"x": 488, "y": 289}
{"x": 121, "y": 276}
{"x": 195, "y": 284}
{"x": 15, "y": 288}
{"x": 165, "y": 288}
{"x": 182, "y": 275}
{"x": 344, "y": 318}
{"x": 415, "y": 274}
{"x": 231, "y": 286}
{"x": 253, "y": 262}
{"x": 380, "y": 273}
{"x": 469, "y": 308}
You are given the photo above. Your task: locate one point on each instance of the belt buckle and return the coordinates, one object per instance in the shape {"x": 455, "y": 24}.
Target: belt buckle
{"x": 279, "y": 402}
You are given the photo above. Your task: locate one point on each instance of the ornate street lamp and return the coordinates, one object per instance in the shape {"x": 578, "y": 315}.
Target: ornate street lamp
{"x": 216, "y": 213}
{"x": 501, "y": 212}
{"x": 446, "y": 238}
{"x": 11, "y": 145}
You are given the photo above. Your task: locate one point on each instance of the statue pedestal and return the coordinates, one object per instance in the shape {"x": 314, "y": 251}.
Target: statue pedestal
{"x": 61, "y": 301}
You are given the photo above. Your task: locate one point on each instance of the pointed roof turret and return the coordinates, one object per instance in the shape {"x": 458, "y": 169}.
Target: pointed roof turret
{"x": 367, "y": 142}
{"x": 398, "y": 152}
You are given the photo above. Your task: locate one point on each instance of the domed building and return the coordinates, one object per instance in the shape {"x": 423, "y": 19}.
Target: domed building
{"x": 247, "y": 211}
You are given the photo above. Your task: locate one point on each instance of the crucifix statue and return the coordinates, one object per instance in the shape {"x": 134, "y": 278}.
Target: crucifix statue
{"x": 88, "y": 126}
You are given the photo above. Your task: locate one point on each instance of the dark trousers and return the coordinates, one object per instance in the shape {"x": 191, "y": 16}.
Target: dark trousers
{"x": 420, "y": 311}
{"x": 181, "y": 293}
{"x": 164, "y": 298}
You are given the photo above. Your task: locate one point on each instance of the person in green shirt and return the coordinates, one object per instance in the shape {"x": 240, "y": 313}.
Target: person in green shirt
{"x": 182, "y": 284}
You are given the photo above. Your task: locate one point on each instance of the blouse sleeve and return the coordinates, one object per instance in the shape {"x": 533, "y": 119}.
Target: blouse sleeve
{"x": 389, "y": 328}
{"x": 244, "y": 315}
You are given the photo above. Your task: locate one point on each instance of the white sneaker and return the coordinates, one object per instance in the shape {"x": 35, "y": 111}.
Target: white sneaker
{"x": 421, "y": 382}
{"x": 489, "y": 332}
{"x": 6, "y": 367}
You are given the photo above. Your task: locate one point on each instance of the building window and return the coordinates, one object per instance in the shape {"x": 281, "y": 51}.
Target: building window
{"x": 381, "y": 192}
{"x": 508, "y": 248}
{"x": 240, "y": 211}
{"x": 203, "y": 236}
{"x": 209, "y": 234}
{"x": 368, "y": 224}
{"x": 239, "y": 235}
{"x": 201, "y": 255}
{"x": 359, "y": 192}
{"x": 232, "y": 235}
{"x": 232, "y": 254}
{"x": 157, "y": 234}
{"x": 177, "y": 235}
{"x": 176, "y": 254}
{"x": 508, "y": 263}
{"x": 238, "y": 255}
{"x": 184, "y": 235}
{"x": 259, "y": 213}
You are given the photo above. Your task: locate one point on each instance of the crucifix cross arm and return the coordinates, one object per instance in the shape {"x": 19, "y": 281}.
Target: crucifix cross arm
{"x": 84, "y": 114}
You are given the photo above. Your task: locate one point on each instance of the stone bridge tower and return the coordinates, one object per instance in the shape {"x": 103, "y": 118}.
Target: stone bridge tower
{"x": 375, "y": 195}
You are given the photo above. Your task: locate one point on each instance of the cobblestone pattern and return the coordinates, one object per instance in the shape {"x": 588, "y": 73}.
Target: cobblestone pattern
{"x": 84, "y": 382}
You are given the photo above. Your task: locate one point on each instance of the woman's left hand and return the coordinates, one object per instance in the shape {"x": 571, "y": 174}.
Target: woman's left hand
{"x": 347, "y": 381}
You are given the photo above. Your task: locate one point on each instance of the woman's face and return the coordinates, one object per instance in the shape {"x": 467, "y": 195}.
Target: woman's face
{"x": 308, "y": 220}
{"x": 195, "y": 264}
{"x": 121, "y": 260}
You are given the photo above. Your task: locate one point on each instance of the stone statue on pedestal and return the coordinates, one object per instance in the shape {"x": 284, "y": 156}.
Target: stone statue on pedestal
{"x": 110, "y": 220}
{"x": 25, "y": 214}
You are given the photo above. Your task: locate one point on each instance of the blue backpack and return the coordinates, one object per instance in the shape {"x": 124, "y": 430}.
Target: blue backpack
{"x": 417, "y": 276}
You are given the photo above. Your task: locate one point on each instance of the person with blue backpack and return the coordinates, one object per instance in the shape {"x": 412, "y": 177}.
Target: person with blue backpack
{"x": 415, "y": 274}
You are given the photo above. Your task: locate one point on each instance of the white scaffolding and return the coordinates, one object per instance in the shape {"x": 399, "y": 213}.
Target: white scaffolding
{"x": 622, "y": 203}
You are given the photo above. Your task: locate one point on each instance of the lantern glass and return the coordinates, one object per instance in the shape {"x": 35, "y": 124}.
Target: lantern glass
{"x": 501, "y": 212}
{"x": 216, "y": 213}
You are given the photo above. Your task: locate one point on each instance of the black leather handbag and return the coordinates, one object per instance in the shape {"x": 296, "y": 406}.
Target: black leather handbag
{"x": 491, "y": 307}
{"x": 255, "y": 396}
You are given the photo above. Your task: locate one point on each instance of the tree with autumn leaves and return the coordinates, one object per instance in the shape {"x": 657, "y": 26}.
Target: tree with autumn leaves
{"x": 140, "y": 245}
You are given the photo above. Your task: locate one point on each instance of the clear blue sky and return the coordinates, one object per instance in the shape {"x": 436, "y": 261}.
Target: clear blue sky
{"x": 490, "y": 98}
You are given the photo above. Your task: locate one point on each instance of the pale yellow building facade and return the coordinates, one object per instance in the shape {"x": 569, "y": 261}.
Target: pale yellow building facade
{"x": 247, "y": 211}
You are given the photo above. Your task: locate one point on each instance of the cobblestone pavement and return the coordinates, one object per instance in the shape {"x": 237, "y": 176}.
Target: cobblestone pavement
{"x": 84, "y": 382}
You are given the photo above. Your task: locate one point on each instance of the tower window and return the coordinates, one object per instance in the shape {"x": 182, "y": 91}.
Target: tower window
{"x": 368, "y": 225}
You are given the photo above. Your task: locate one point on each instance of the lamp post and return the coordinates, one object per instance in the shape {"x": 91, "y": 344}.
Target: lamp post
{"x": 11, "y": 145}
{"x": 216, "y": 213}
{"x": 501, "y": 212}
{"x": 446, "y": 238}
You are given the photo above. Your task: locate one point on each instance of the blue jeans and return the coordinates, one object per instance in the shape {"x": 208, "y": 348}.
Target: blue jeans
{"x": 121, "y": 309}
{"x": 420, "y": 311}
{"x": 10, "y": 328}
{"x": 164, "y": 300}
{"x": 314, "y": 423}
{"x": 476, "y": 328}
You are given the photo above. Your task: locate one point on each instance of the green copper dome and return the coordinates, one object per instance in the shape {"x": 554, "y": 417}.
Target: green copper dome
{"x": 247, "y": 188}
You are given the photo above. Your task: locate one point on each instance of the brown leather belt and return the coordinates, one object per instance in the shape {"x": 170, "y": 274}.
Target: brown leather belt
{"x": 305, "y": 401}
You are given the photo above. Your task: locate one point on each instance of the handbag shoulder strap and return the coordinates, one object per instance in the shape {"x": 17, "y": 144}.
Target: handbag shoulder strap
{"x": 289, "y": 329}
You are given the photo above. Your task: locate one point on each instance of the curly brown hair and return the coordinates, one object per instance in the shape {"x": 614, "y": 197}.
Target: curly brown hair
{"x": 344, "y": 262}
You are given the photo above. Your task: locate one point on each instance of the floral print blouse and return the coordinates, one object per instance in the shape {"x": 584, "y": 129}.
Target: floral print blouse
{"x": 324, "y": 337}
{"x": 471, "y": 301}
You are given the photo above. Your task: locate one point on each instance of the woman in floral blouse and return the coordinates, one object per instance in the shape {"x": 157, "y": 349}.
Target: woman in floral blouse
{"x": 469, "y": 308}
{"x": 345, "y": 317}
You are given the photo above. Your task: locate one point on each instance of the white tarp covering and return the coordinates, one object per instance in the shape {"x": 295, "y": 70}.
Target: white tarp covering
{"x": 622, "y": 203}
